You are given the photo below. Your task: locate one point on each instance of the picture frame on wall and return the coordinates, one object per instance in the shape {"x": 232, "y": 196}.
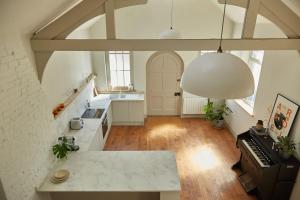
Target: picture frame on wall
{"x": 282, "y": 117}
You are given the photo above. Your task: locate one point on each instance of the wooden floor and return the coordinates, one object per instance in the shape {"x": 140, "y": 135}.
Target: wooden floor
{"x": 204, "y": 155}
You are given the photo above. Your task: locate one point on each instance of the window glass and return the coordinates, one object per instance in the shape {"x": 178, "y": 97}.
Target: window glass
{"x": 254, "y": 63}
{"x": 119, "y": 67}
{"x": 127, "y": 77}
{"x": 126, "y": 60}
{"x": 112, "y": 62}
{"x": 120, "y": 63}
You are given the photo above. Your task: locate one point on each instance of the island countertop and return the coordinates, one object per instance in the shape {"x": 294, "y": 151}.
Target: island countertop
{"x": 117, "y": 171}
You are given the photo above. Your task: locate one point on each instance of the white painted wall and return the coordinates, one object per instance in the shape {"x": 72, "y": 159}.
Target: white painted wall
{"x": 27, "y": 128}
{"x": 65, "y": 71}
{"x": 279, "y": 74}
{"x": 193, "y": 18}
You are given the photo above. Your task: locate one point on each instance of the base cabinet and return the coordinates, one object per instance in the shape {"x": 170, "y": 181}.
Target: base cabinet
{"x": 97, "y": 143}
{"x": 109, "y": 116}
{"x": 120, "y": 111}
{"x": 128, "y": 112}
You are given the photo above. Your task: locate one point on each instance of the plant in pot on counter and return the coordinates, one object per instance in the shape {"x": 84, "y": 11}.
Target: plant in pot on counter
{"x": 215, "y": 113}
{"x": 286, "y": 147}
{"x": 60, "y": 150}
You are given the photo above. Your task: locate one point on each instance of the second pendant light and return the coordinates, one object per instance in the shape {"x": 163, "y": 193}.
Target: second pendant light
{"x": 171, "y": 33}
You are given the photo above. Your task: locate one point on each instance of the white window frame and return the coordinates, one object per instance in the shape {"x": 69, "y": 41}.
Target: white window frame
{"x": 249, "y": 59}
{"x": 108, "y": 76}
{"x": 252, "y": 61}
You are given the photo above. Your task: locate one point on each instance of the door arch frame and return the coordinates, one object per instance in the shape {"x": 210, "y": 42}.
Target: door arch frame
{"x": 149, "y": 61}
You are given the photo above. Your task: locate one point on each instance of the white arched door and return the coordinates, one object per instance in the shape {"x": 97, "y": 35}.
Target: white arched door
{"x": 164, "y": 70}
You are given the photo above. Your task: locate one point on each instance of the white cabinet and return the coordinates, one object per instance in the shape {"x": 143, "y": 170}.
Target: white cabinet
{"x": 97, "y": 142}
{"x": 136, "y": 111}
{"x": 120, "y": 111}
{"x": 128, "y": 112}
{"x": 109, "y": 116}
{"x": 109, "y": 123}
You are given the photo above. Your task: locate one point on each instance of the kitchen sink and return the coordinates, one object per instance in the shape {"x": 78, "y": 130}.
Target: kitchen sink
{"x": 122, "y": 96}
{"x": 92, "y": 113}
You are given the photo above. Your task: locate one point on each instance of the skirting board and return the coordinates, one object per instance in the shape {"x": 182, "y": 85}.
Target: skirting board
{"x": 233, "y": 133}
{"x": 128, "y": 123}
{"x": 192, "y": 116}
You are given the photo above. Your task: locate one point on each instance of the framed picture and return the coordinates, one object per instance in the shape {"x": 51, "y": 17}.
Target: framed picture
{"x": 282, "y": 117}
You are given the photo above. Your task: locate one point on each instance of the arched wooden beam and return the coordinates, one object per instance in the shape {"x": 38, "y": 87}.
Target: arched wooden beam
{"x": 69, "y": 21}
{"x": 277, "y": 12}
{"x": 250, "y": 18}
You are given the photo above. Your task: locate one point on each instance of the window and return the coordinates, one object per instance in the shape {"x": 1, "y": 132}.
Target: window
{"x": 255, "y": 63}
{"x": 254, "y": 60}
{"x": 118, "y": 71}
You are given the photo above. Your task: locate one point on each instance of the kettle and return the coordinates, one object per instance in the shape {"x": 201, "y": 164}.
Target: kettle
{"x": 76, "y": 123}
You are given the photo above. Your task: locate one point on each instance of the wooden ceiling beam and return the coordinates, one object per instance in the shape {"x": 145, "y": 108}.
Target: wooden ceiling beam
{"x": 239, "y": 3}
{"x": 250, "y": 18}
{"x": 284, "y": 13}
{"x": 63, "y": 25}
{"x": 274, "y": 16}
{"x": 159, "y": 44}
{"x": 110, "y": 20}
{"x": 67, "y": 19}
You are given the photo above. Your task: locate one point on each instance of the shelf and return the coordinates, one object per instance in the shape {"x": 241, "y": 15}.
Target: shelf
{"x": 71, "y": 98}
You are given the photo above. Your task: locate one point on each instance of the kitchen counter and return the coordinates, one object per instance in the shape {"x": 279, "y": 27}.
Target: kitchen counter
{"x": 127, "y": 97}
{"x": 85, "y": 136}
{"x": 117, "y": 171}
{"x": 113, "y": 175}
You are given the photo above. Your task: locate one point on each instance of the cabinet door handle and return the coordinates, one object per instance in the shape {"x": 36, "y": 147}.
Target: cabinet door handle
{"x": 177, "y": 94}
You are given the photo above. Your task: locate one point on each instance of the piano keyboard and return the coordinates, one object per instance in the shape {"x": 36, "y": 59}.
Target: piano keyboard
{"x": 257, "y": 153}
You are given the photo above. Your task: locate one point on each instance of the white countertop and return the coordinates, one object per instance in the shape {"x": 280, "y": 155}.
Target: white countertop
{"x": 119, "y": 171}
{"x": 127, "y": 97}
{"x": 85, "y": 136}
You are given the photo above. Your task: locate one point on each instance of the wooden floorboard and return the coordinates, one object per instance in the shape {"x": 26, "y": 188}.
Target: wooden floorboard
{"x": 204, "y": 155}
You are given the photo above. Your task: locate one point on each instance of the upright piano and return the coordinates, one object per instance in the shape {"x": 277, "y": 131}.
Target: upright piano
{"x": 263, "y": 170}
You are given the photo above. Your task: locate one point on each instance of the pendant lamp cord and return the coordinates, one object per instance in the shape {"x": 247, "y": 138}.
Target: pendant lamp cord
{"x": 171, "y": 25}
{"x": 223, "y": 19}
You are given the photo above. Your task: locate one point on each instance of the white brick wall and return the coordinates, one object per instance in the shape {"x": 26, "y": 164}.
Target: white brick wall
{"x": 27, "y": 131}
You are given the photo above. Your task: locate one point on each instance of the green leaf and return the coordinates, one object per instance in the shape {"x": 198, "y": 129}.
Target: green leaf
{"x": 60, "y": 150}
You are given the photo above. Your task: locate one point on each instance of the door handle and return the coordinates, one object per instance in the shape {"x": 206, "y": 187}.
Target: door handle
{"x": 177, "y": 94}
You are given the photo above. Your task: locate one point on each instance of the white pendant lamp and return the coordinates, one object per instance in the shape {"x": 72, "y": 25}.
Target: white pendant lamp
{"x": 170, "y": 33}
{"x": 218, "y": 75}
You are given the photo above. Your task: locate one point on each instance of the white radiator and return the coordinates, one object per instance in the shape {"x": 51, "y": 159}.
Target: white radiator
{"x": 193, "y": 105}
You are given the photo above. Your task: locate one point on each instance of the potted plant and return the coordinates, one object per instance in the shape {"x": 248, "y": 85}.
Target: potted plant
{"x": 218, "y": 117}
{"x": 285, "y": 146}
{"x": 209, "y": 110}
{"x": 61, "y": 149}
{"x": 215, "y": 114}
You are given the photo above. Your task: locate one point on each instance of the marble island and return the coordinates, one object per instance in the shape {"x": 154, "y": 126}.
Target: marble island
{"x": 131, "y": 174}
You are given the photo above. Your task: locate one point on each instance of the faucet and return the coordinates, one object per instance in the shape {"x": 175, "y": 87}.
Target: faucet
{"x": 88, "y": 104}
{"x": 131, "y": 88}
